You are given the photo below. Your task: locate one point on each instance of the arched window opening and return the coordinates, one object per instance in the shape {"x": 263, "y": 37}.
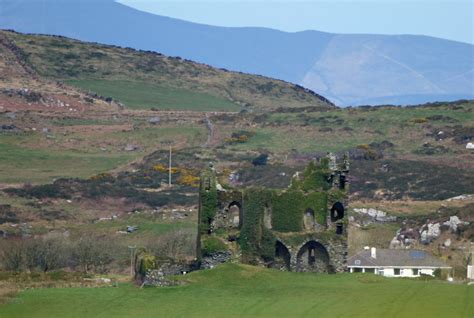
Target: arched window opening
{"x": 267, "y": 217}
{"x": 234, "y": 212}
{"x": 309, "y": 220}
{"x": 337, "y": 212}
{"x": 342, "y": 182}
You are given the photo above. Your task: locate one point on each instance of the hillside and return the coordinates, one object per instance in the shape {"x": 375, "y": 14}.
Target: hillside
{"x": 145, "y": 80}
{"x": 80, "y": 164}
{"x": 347, "y": 69}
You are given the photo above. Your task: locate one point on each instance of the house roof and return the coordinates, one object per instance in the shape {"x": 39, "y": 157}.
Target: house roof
{"x": 393, "y": 258}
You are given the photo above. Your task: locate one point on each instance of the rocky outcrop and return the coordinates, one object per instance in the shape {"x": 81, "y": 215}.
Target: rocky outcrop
{"x": 375, "y": 215}
{"x": 426, "y": 233}
{"x": 215, "y": 259}
{"x": 454, "y": 222}
{"x": 430, "y": 232}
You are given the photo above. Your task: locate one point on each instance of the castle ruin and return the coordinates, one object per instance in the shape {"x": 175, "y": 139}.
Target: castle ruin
{"x": 302, "y": 228}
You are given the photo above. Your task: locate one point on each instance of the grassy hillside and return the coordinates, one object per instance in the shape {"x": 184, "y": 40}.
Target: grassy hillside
{"x": 154, "y": 80}
{"x": 139, "y": 95}
{"x": 245, "y": 291}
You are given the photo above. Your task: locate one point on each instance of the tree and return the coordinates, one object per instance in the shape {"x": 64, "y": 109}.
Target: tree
{"x": 46, "y": 254}
{"x": 93, "y": 254}
{"x": 13, "y": 256}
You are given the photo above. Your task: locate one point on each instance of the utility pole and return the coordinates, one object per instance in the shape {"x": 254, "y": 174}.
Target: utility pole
{"x": 169, "y": 170}
{"x": 132, "y": 255}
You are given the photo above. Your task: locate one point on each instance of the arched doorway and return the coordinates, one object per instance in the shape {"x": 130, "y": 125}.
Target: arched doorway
{"x": 313, "y": 257}
{"x": 282, "y": 256}
{"x": 234, "y": 214}
{"x": 337, "y": 211}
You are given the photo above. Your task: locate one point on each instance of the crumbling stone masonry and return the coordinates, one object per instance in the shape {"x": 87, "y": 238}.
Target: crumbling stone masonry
{"x": 302, "y": 228}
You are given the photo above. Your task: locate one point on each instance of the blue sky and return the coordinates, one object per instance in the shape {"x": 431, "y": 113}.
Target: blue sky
{"x": 449, "y": 19}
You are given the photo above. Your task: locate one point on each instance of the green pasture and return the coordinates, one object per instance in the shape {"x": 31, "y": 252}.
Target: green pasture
{"x": 22, "y": 160}
{"x": 21, "y": 164}
{"x": 244, "y": 291}
{"x": 141, "y": 95}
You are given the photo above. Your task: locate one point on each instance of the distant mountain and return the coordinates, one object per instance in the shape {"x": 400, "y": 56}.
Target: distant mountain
{"x": 348, "y": 69}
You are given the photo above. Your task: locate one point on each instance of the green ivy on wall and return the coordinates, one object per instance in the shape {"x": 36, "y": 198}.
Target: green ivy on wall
{"x": 311, "y": 190}
{"x": 289, "y": 208}
{"x": 314, "y": 177}
{"x": 208, "y": 197}
{"x": 287, "y": 213}
{"x": 253, "y": 230}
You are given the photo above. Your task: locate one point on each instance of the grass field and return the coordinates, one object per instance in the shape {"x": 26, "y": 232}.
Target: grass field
{"x": 19, "y": 164}
{"x": 140, "y": 95}
{"x": 34, "y": 158}
{"x": 244, "y": 291}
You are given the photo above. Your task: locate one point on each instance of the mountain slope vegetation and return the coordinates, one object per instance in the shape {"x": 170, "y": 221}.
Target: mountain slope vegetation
{"x": 151, "y": 80}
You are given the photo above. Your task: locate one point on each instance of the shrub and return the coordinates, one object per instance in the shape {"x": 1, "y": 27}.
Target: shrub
{"x": 54, "y": 190}
{"x": 211, "y": 245}
{"x": 421, "y": 120}
{"x": 93, "y": 254}
{"x": 261, "y": 160}
{"x": 45, "y": 255}
{"x": 7, "y": 214}
{"x": 241, "y": 136}
{"x": 144, "y": 262}
{"x": 178, "y": 244}
{"x": 13, "y": 256}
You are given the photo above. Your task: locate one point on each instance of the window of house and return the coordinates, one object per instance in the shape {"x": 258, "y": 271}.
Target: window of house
{"x": 396, "y": 271}
{"x": 370, "y": 270}
{"x": 357, "y": 270}
{"x": 415, "y": 271}
{"x": 357, "y": 262}
{"x": 381, "y": 272}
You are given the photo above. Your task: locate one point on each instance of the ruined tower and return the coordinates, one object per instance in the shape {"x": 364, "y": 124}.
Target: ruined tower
{"x": 300, "y": 228}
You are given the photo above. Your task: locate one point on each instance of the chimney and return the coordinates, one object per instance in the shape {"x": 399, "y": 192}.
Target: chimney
{"x": 373, "y": 252}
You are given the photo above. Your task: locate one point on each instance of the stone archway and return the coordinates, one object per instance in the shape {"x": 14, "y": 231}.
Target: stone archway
{"x": 313, "y": 257}
{"x": 282, "y": 256}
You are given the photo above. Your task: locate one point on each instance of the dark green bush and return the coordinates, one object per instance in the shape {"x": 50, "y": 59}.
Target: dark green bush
{"x": 211, "y": 245}
{"x": 261, "y": 160}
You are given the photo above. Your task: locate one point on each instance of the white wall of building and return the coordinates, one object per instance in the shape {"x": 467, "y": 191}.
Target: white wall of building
{"x": 470, "y": 272}
{"x": 396, "y": 271}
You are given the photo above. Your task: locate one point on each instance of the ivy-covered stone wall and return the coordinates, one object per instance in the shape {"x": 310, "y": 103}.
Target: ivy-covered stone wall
{"x": 208, "y": 199}
{"x": 271, "y": 215}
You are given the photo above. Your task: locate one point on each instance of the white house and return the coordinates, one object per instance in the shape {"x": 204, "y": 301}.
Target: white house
{"x": 395, "y": 263}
